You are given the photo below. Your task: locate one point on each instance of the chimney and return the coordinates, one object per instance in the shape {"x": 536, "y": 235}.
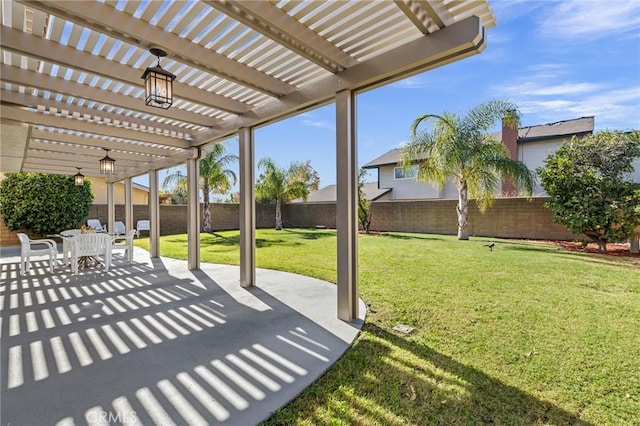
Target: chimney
{"x": 510, "y": 140}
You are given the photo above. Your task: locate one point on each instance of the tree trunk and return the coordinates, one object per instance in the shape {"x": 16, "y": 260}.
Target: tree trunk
{"x": 462, "y": 210}
{"x": 602, "y": 244}
{"x": 599, "y": 239}
{"x": 206, "y": 223}
{"x": 278, "y": 216}
{"x": 367, "y": 223}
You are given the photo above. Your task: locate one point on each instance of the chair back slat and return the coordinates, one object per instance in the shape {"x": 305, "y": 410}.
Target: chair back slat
{"x": 91, "y": 244}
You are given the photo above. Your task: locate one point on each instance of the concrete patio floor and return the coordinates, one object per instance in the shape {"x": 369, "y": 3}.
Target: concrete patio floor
{"x": 151, "y": 342}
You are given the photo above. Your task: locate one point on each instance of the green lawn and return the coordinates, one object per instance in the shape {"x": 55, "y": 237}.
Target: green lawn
{"x": 524, "y": 334}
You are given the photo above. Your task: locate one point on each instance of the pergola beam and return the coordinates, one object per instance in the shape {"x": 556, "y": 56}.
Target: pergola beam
{"x": 40, "y": 48}
{"x": 449, "y": 44}
{"x": 62, "y": 160}
{"x": 27, "y": 78}
{"x": 160, "y": 163}
{"x": 84, "y": 154}
{"x": 124, "y": 27}
{"x": 82, "y": 141}
{"x": 271, "y": 21}
{"x": 39, "y": 118}
{"x": 153, "y": 127}
{"x": 423, "y": 16}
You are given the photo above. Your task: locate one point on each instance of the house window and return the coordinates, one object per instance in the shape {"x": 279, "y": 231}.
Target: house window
{"x": 405, "y": 172}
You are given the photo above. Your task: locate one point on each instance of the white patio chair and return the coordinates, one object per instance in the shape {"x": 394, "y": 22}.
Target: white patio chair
{"x": 49, "y": 248}
{"x": 66, "y": 246}
{"x": 120, "y": 229}
{"x": 142, "y": 225}
{"x": 124, "y": 242}
{"x": 90, "y": 245}
{"x": 95, "y": 224}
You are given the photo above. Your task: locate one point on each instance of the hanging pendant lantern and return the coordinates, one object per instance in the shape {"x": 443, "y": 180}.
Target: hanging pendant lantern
{"x": 107, "y": 164}
{"x": 158, "y": 83}
{"x": 78, "y": 178}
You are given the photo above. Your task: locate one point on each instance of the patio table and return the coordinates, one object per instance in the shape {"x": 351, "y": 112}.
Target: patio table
{"x": 83, "y": 261}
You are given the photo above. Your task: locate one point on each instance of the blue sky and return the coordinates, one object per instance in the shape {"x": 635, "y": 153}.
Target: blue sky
{"x": 557, "y": 60}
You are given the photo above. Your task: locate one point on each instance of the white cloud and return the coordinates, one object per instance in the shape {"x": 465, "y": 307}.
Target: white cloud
{"x": 318, "y": 124}
{"x": 588, "y": 20}
{"x": 534, "y": 88}
{"x": 417, "y": 82}
{"x": 309, "y": 120}
{"x": 506, "y": 10}
{"x": 546, "y": 97}
{"x": 547, "y": 70}
{"x": 614, "y": 109}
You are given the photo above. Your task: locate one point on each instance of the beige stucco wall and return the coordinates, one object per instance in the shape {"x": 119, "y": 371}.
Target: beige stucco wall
{"x": 533, "y": 155}
{"x": 100, "y": 192}
{"x": 405, "y": 189}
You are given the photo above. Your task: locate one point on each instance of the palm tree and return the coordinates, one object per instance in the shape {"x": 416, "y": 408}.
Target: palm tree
{"x": 460, "y": 148}
{"x": 178, "y": 183}
{"x": 277, "y": 185}
{"x": 215, "y": 178}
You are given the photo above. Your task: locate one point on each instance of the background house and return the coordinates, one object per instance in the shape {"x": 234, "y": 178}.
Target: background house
{"x": 329, "y": 194}
{"x": 531, "y": 145}
{"x": 140, "y": 193}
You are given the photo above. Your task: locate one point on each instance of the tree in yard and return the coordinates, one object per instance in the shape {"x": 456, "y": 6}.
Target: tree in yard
{"x": 176, "y": 183}
{"x": 589, "y": 187}
{"x": 460, "y": 148}
{"x": 43, "y": 203}
{"x": 215, "y": 178}
{"x": 364, "y": 205}
{"x": 279, "y": 186}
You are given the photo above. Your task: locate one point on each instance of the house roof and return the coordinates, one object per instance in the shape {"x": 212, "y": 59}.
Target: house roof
{"x": 70, "y": 71}
{"x": 388, "y": 158}
{"x": 328, "y": 194}
{"x": 559, "y": 129}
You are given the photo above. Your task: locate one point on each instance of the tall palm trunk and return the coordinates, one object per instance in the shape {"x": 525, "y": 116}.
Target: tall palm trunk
{"x": 206, "y": 214}
{"x": 278, "y": 215}
{"x": 462, "y": 210}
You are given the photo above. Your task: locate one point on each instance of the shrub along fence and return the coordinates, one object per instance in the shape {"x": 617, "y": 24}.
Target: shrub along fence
{"x": 507, "y": 218}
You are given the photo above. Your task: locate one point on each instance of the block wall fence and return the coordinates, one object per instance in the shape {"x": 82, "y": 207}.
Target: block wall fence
{"x": 507, "y": 218}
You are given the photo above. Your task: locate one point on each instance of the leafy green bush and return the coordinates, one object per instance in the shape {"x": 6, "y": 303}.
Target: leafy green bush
{"x": 42, "y": 203}
{"x": 589, "y": 186}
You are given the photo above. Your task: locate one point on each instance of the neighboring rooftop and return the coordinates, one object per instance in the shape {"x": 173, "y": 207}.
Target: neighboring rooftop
{"x": 578, "y": 126}
{"x": 559, "y": 129}
{"x": 328, "y": 194}
{"x": 390, "y": 157}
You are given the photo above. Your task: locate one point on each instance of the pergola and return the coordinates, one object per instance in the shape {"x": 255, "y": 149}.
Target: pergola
{"x": 71, "y": 87}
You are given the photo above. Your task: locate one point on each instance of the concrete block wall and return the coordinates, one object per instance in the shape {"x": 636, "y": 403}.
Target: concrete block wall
{"x": 507, "y": 218}
{"x": 310, "y": 215}
{"x": 7, "y": 237}
{"x": 173, "y": 218}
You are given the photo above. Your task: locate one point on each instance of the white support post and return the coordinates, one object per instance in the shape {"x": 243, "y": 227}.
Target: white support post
{"x": 247, "y": 209}
{"x": 154, "y": 215}
{"x": 193, "y": 215}
{"x": 111, "y": 208}
{"x": 128, "y": 203}
{"x": 347, "y": 205}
